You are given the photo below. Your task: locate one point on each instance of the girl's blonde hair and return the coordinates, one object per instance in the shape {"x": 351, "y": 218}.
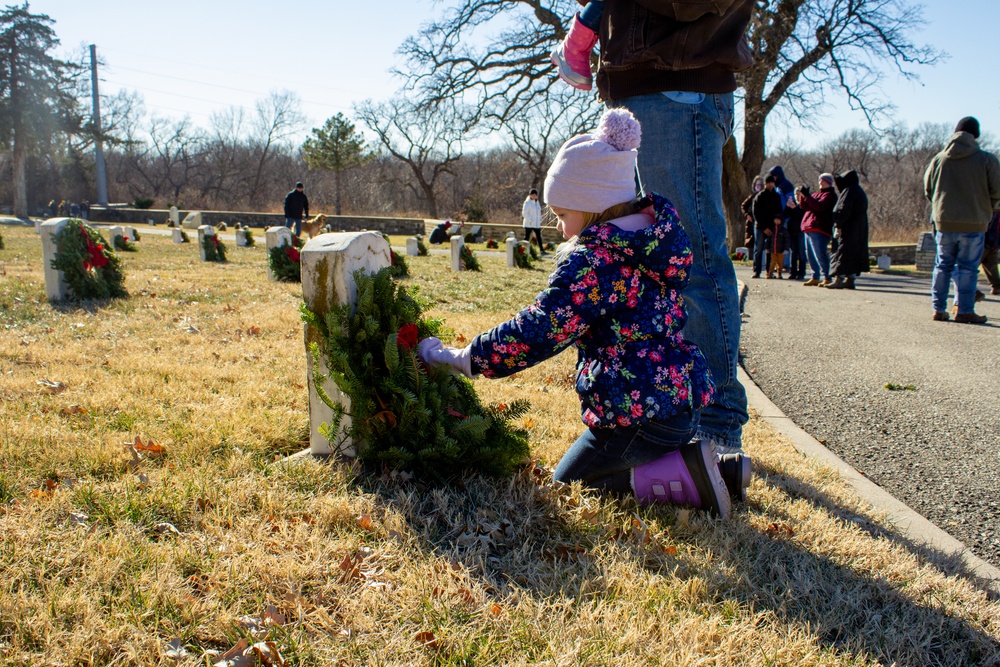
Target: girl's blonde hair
{"x": 611, "y": 213}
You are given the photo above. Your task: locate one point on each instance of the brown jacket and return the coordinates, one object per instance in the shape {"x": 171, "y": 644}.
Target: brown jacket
{"x": 651, "y": 46}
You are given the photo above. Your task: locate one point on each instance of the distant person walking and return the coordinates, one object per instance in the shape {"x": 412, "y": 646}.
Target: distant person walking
{"x": 990, "y": 252}
{"x": 766, "y": 208}
{"x": 531, "y": 218}
{"x": 296, "y": 205}
{"x": 962, "y": 182}
{"x": 850, "y": 223}
{"x": 817, "y": 225}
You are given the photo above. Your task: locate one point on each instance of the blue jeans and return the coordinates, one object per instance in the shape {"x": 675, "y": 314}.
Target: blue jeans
{"x": 297, "y": 224}
{"x": 681, "y": 158}
{"x": 761, "y": 242}
{"x": 603, "y": 458}
{"x": 590, "y": 15}
{"x": 959, "y": 254}
{"x": 819, "y": 254}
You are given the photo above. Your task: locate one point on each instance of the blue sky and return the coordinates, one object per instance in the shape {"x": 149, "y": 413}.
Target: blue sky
{"x": 194, "y": 58}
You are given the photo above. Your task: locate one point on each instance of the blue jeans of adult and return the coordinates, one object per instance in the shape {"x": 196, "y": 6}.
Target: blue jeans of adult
{"x": 296, "y": 223}
{"x": 957, "y": 254}
{"x": 796, "y": 260}
{"x": 819, "y": 254}
{"x": 603, "y": 458}
{"x": 761, "y": 242}
{"x": 681, "y": 158}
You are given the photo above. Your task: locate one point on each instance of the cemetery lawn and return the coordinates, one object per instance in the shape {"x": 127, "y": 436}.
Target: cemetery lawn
{"x": 174, "y": 559}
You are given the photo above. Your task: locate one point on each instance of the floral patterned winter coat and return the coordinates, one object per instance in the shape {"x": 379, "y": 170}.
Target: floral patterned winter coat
{"x": 617, "y": 297}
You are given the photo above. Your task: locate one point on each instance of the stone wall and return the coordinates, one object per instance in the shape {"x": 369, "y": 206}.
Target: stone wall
{"x": 899, "y": 254}
{"x": 339, "y": 223}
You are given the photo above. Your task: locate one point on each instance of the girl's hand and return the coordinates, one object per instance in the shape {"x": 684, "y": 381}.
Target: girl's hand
{"x": 433, "y": 353}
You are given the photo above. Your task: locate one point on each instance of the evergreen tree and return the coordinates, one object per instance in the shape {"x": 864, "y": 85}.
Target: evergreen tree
{"x": 336, "y": 147}
{"x": 36, "y": 91}
{"x": 405, "y": 415}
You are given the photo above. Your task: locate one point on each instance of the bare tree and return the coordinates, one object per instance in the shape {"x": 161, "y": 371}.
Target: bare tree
{"x": 276, "y": 119}
{"x": 427, "y": 139}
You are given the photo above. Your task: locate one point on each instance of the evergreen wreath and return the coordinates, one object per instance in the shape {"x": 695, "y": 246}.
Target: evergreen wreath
{"x": 403, "y": 414}
{"x": 91, "y": 269}
{"x": 248, "y": 236}
{"x": 1, "y": 241}
{"x": 491, "y": 244}
{"x": 398, "y": 262}
{"x": 550, "y": 246}
{"x": 534, "y": 252}
{"x": 184, "y": 237}
{"x": 286, "y": 263}
{"x": 421, "y": 247}
{"x": 122, "y": 243}
{"x": 522, "y": 258}
{"x": 135, "y": 232}
{"x": 469, "y": 260}
{"x": 215, "y": 249}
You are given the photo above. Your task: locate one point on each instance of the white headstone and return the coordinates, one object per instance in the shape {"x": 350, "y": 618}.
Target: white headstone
{"x": 511, "y": 235}
{"x": 38, "y": 226}
{"x": 742, "y": 252}
{"x": 114, "y": 233}
{"x": 241, "y": 238}
{"x": 511, "y": 247}
{"x": 328, "y": 264}
{"x": 525, "y": 245}
{"x": 192, "y": 220}
{"x": 56, "y": 288}
{"x": 178, "y": 238}
{"x": 276, "y": 237}
{"x": 203, "y": 231}
{"x": 130, "y": 233}
{"x": 884, "y": 262}
{"x": 456, "y": 252}
{"x": 412, "y": 247}
{"x": 175, "y": 216}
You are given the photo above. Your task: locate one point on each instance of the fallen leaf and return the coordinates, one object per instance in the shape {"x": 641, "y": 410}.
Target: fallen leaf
{"x": 52, "y": 387}
{"x": 150, "y": 447}
{"x": 782, "y": 528}
{"x": 683, "y": 518}
{"x": 496, "y": 609}
{"x": 217, "y": 356}
{"x": 670, "y": 550}
{"x": 143, "y": 479}
{"x": 253, "y": 331}
{"x": 175, "y": 649}
{"x": 234, "y": 657}
{"x": 460, "y": 339}
{"x": 272, "y": 616}
{"x": 426, "y": 638}
{"x": 267, "y": 653}
{"x": 74, "y": 409}
{"x": 165, "y": 528}
{"x": 192, "y": 329}
{"x": 364, "y": 522}
{"x": 78, "y": 519}
{"x": 134, "y": 462}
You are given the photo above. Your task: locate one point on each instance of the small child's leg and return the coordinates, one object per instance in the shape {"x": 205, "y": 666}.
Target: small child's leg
{"x": 572, "y": 56}
{"x": 591, "y": 14}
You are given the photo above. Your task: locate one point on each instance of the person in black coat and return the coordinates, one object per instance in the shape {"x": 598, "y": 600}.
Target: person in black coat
{"x": 850, "y": 226}
{"x": 296, "y": 204}
{"x": 767, "y": 211}
{"x": 440, "y": 233}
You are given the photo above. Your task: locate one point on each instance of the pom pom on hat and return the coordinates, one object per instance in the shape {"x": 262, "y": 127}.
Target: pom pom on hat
{"x": 619, "y": 129}
{"x": 593, "y": 172}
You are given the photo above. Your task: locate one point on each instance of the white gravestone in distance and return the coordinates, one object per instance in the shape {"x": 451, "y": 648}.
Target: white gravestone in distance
{"x": 178, "y": 235}
{"x": 884, "y": 262}
{"x": 114, "y": 233}
{"x": 275, "y": 238}
{"x": 456, "y": 252}
{"x": 203, "y": 231}
{"x": 175, "y": 216}
{"x": 129, "y": 233}
{"x": 192, "y": 220}
{"x": 511, "y": 235}
{"x": 38, "y": 226}
{"x": 328, "y": 265}
{"x": 412, "y": 247}
{"x": 511, "y": 243}
{"x": 56, "y": 288}
{"x": 241, "y": 238}
{"x": 524, "y": 244}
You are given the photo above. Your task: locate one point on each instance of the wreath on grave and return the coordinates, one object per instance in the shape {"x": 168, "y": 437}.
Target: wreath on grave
{"x": 122, "y": 243}
{"x": 398, "y": 262}
{"x": 403, "y": 414}
{"x": 215, "y": 249}
{"x": 421, "y": 248}
{"x": 469, "y": 260}
{"x": 248, "y": 237}
{"x": 286, "y": 263}
{"x": 534, "y": 252}
{"x": 491, "y": 244}
{"x": 91, "y": 269}
{"x": 522, "y": 258}
{"x": 135, "y": 233}
{"x": 184, "y": 237}
{"x": 1, "y": 241}
{"x": 550, "y": 246}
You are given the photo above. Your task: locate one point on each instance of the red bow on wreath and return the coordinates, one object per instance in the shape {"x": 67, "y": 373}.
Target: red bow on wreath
{"x": 216, "y": 240}
{"x": 293, "y": 254}
{"x": 407, "y": 336}
{"x": 97, "y": 257}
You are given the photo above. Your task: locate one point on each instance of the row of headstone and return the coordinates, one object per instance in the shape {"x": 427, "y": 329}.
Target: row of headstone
{"x": 127, "y": 232}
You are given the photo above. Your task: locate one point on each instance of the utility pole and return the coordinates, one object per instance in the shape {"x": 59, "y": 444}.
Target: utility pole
{"x": 102, "y": 171}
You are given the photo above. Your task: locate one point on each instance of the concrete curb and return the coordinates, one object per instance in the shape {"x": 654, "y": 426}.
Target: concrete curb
{"x": 904, "y": 520}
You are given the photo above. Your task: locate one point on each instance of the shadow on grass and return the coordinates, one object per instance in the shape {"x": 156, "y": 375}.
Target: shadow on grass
{"x": 528, "y": 534}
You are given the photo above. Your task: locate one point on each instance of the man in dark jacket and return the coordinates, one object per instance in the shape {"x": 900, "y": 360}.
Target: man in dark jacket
{"x": 962, "y": 183}
{"x": 296, "y": 205}
{"x": 850, "y": 227}
{"x": 767, "y": 211}
{"x": 990, "y": 253}
{"x": 673, "y": 64}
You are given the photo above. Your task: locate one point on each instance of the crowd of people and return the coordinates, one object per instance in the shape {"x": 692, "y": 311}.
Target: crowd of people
{"x": 789, "y": 227}
{"x": 69, "y": 209}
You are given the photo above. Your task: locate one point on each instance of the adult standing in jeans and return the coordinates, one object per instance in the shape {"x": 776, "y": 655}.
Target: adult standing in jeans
{"x": 962, "y": 182}
{"x": 531, "y": 218}
{"x": 296, "y": 205}
{"x": 672, "y": 63}
{"x": 817, "y": 225}
{"x": 767, "y": 210}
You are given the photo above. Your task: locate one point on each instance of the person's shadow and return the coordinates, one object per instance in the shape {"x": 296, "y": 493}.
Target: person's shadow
{"x": 780, "y": 572}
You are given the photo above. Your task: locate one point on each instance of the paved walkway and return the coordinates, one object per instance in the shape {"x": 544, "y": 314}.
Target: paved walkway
{"x": 825, "y": 356}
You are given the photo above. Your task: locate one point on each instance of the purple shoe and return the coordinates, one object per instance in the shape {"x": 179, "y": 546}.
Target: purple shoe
{"x": 688, "y": 476}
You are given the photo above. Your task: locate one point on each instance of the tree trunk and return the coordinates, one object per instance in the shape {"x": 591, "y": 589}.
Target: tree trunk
{"x": 336, "y": 191}
{"x": 20, "y": 159}
{"x": 753, "y": 145}
{"x": 735, "y": 188}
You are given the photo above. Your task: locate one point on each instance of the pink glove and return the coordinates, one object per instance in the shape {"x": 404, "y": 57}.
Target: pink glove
{"x": 433, "y": 353}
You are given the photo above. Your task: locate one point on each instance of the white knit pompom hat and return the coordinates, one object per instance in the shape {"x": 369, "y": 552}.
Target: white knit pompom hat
{"x": 593, "y": 172}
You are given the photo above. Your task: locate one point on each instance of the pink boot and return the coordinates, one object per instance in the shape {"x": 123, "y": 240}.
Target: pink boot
{"x": 688, "y": 476}
{"x": 572, "y": 56}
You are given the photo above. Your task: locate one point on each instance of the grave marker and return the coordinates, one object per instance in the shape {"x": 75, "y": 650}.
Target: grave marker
{"x": 511, "y": 243}
{"x": 178, "y": 235}
{"x": 114, "y": 233}
{"x": 203, "y": 231}
{"x": 456, "y": 252}
{"x": 175, "y": 217}
{"x": 412, "y": 247}
{"x": 328, "y": 264}
{"x": 192, "y": 220}
{"x": 241, "y": 238}
{"x": 56, "y": 288}
{"x": 275, "y": 238}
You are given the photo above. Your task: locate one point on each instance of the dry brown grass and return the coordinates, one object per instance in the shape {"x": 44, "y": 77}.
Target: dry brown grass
{"x": 207, "y": 361}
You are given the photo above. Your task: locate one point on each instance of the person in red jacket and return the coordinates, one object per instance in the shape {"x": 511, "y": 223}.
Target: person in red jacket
{"x": 817, "y": 225}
